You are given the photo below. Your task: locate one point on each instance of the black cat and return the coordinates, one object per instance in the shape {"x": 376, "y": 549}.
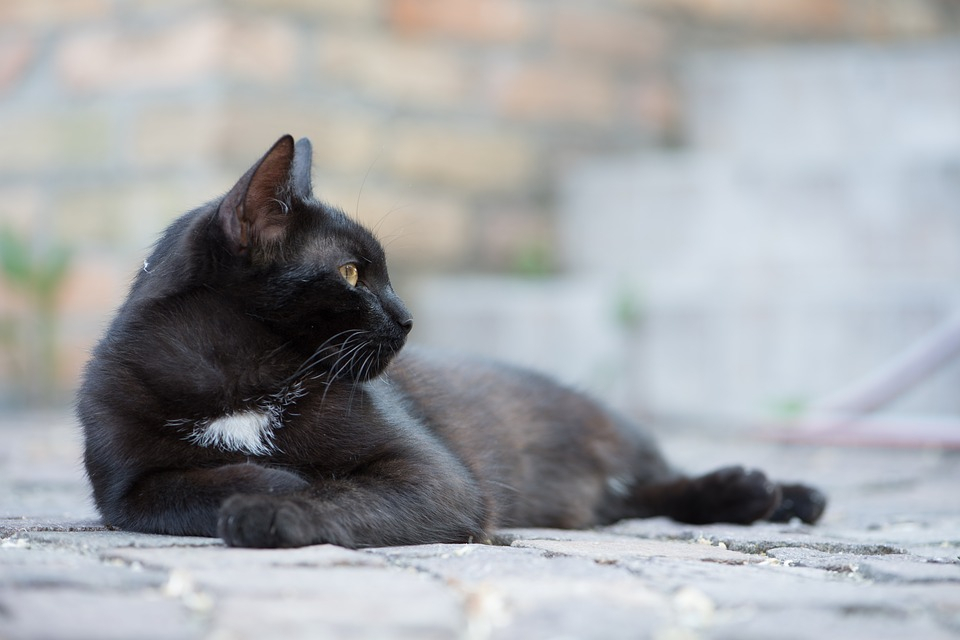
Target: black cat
{"x": 252, "y": 387}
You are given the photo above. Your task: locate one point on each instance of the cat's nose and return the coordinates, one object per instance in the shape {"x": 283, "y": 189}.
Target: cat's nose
{"x": 406, "y": 324}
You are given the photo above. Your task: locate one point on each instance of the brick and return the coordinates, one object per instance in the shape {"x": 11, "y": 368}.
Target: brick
{"x": 51, "y": 12}
{"x": 77, "y": 338}
{"x": 586, "y": 29}
{"x": 14, "y": 304}
{"x": 84, "y": 139}
{"x": 797, "y": 14}
{"x": 126, "y": 218}
{"x": 43, "y": 141}
{"x": 902, "y": 19}
{"x": 27, "y": 142}
{"x": 93, "y": 284}
{"x": 17, "y": 52}
{"x": 479, "y": 20}
{"x": 116, "y": 58}
{"x": 555, "y": 90}
{"x": 462, "y": 157}
{"x": 515, "y": 238}
{"x": 416, "y": 228}
{"x": 180, "y": 137}
{"x": 260, "y": 51}
{"x": 342, "y": 141}
{"x": 654, "y": 102}
{"x": 94, "y": 216}
{"x": 123, "y": 59}
{"x": 358, "y": 10}
{"x": 21, "y": 207}
{"x": 398, "y": 70}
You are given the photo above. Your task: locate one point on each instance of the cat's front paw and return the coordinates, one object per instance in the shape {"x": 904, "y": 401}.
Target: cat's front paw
{"x": 263, "y": 522}
{"x": 736, "y": 495}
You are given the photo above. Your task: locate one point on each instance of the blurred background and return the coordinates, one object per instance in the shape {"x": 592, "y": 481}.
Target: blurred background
{"x": 725, "y": 208}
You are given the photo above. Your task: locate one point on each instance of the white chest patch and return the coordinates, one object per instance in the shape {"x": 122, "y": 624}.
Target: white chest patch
{"x": 248, "y": 431}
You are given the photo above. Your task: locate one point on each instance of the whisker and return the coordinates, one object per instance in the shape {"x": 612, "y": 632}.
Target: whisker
{"x": 502, "y": 484}
{"x": 324, "y": 352}
{"x": 341, "y": 364}
{"x": 356, "y": 209}
{"x": 400, "y": 235}
{"x": 361, "y": 376}
{"x": 346, "y": 358}
{"x": 390, "y": 212}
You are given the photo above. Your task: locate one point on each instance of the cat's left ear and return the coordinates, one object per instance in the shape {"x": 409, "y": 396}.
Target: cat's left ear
{"x": 255, "y": 212}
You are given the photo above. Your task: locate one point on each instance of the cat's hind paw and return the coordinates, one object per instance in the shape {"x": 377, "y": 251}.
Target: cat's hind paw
{"x": 263, "y": 522}
{"x": 799, "y": 501}
{"x": 735, "y": 495}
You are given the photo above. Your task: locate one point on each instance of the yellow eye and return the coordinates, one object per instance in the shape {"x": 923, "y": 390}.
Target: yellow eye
{"x": 350, "y": 274}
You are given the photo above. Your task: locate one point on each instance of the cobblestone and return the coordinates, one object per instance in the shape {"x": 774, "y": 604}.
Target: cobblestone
{"x": 872, "y": 569}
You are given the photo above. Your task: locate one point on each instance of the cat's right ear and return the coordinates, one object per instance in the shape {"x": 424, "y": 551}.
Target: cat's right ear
{"x": 254, "y": 213}
{"x": 301, "y": 174}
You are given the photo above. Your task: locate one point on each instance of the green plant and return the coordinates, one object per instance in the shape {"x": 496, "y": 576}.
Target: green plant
{"x": 38, "y": 276}
{"x": 533, "y": 260}
{"x": 628, "y": 308}
{"x": 789, "y": 408}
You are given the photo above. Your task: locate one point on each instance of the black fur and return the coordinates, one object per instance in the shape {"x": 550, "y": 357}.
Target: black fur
{"x": 241, "y": 317}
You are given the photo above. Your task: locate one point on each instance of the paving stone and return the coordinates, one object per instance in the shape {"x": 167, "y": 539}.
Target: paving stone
{"x": 83, "y": 615}
{"x": 773, "y": 586}
{"x": 336, "y": 602}
{"x": 882, "y": 565}
{"x": 89, "y": 541}
{"x": 609, "y": 549}
{"x": 937, "y": 537}
{"x": 517, "y": 592}
{"x": 33, "y": 568}
{"x": 13, "y": 525}
{"x": 480, "y": 563}
{"x": 579, "y": 615}
{"x": 909, "y": 571}
{"x": 217, "y": 556}
{"x": 899, "y": 569}
{"x": 754, "y": 539}
{"x": 413, "y": 614}
{"x": 851, "y": 624}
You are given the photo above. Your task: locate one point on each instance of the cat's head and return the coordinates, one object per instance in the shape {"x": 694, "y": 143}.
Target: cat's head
{"x": 313, "y": 277}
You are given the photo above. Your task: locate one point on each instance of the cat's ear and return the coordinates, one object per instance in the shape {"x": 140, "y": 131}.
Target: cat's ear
{"x": 301, "y": 180}
{"x": 255, "y": 212}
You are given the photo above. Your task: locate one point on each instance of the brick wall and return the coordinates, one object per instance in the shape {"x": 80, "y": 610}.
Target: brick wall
{"x": 446, "y": 123}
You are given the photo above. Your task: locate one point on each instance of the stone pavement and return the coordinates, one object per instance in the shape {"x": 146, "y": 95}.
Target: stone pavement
{"x": 883, "y": 563}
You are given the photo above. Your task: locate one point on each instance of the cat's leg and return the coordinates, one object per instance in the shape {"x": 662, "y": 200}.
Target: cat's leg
{"x": 187, "y": 501}
{"x": 731, "y": 494}
{"x": 378, "y": 508}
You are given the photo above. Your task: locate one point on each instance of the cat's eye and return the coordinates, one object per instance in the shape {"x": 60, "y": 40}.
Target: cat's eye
{"x": 350, "y": 274}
